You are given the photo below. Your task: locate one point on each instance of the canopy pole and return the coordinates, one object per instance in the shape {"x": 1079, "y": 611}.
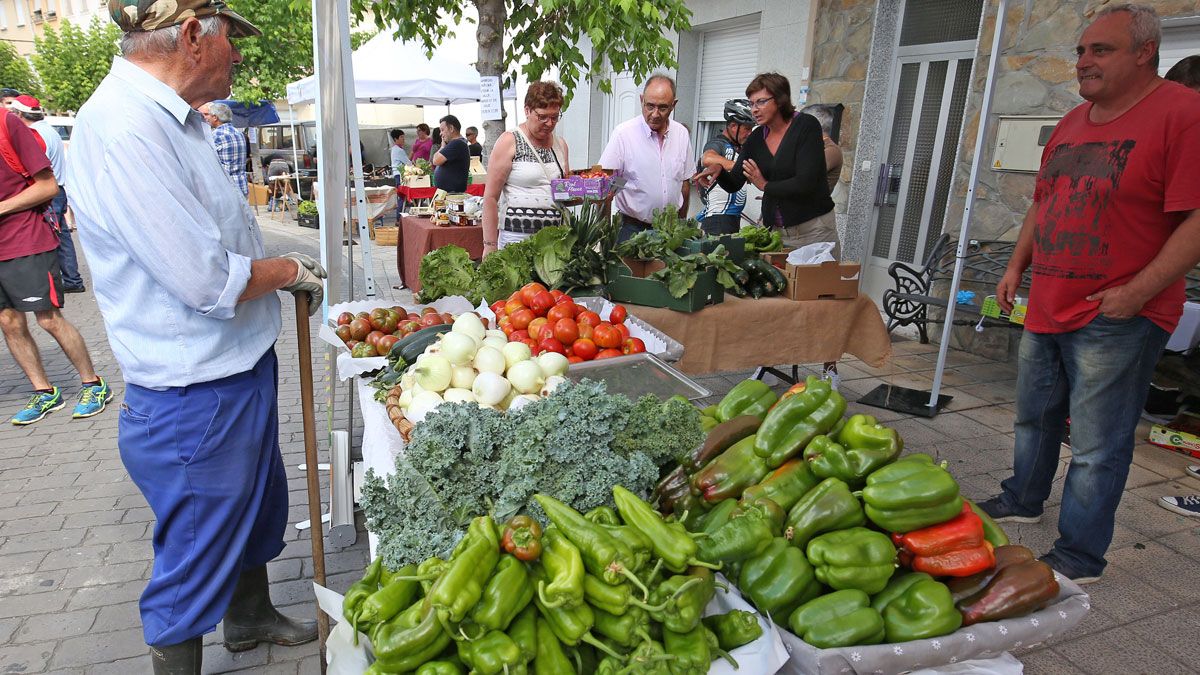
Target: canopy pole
{"x": 976, "y": 161}
{"x": 296, "y": 137}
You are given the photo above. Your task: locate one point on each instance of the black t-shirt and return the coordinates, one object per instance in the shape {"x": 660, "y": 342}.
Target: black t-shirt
{"x": 452, "y": 175}
{"x": 476, "y": 149}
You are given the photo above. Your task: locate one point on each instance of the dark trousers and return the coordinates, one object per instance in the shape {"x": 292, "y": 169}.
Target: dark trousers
{"x": 630, "y": 226}
{"x": 68, "y": 262}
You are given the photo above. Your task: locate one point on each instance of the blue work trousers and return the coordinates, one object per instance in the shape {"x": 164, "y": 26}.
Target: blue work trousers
{"x": 68, "y": 262}
{"x": 1098, "y": 376}
{"x": 206, "y": 458}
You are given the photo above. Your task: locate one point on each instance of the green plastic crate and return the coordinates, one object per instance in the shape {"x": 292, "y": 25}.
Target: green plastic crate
{"x": 624, "y": 287}
{"x": 734, "y": 245}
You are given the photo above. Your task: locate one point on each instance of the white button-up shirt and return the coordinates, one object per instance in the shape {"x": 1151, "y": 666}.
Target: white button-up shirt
{"x": 169, "y": 239}
{"x": 654, "y": 166}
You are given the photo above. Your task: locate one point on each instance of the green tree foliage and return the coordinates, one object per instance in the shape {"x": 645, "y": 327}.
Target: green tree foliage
{"x": 72, "y": 60}
{"x": 283, "y": 54}
{"x": 15, "y": 71}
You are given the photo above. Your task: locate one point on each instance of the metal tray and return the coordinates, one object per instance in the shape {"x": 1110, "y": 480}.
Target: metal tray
{"x": 671, "y": 352}
{"x": 637, "y": 374}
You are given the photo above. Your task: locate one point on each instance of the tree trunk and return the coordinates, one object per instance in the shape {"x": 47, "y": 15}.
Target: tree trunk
{"x": 490, "y": 35}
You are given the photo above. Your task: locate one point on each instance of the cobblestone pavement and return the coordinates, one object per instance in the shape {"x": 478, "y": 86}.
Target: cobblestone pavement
{"x": 75, "y": 533}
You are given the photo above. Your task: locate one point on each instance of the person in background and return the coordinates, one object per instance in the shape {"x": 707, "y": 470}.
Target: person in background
{"x": 1107, "y": 286}
{"x": 785, "y": 158}
{"x": 30, "y": 111}
{"x": 516, "y": 200}
{"x": 7, "y": 94}
{"x": 422, "y": 146}
{"x": 721, "y": 211}
{"x": 399, "y": 160}
{"x": 833, "y": 154}
{"x": 230, "y": 143}
{"x": 653, "y": 152}
{"x": 436, "y": 143}
{"x": 453, "y": 160}
{"x": 199, "y": 426}
{"x": 29, "y": 279}
{"x": 473, "y": 143}
{"x": 1187, "y": 73}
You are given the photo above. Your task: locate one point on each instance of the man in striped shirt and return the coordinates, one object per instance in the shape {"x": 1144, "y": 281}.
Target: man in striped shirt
{"x": 231, "y": 144}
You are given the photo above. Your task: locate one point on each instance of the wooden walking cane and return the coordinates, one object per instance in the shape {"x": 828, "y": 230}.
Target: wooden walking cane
{"x": 303, "y": 337}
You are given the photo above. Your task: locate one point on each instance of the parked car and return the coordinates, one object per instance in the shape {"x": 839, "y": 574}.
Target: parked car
{"x": 64, "y": 126}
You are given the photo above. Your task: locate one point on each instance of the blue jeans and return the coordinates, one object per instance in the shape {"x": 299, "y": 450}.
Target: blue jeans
{"x": 67, "y": 261}
{"x": 206, "y": 458}
{"x": 1098, "y": 376}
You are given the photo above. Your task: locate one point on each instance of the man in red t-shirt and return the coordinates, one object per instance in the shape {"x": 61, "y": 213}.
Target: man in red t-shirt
{"x": 30, "y": 280}
{"x": 1114, "y": 227}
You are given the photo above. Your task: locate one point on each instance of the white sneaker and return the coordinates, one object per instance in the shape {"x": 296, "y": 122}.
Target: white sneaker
{"x": 1193, "y": 470}
{"x": 834, "y": 380}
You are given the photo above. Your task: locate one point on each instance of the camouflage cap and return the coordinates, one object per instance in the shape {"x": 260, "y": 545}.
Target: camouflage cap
{"x": 145, "y": 15}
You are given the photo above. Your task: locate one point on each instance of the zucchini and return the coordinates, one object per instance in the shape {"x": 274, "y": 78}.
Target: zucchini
{"x": 414, "y": 345}
{"x": 768, "y": 284}
{"x": 742, "y": 277}
{"x": 757, "y": 290}
{"x": 738, "y": 290}
{"x": 777, "y": 276}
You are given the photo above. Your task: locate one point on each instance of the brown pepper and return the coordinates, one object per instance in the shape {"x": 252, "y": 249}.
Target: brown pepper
{"x": 1016, "y": 590}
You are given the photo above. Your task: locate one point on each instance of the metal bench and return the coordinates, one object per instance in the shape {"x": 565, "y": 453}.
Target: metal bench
{"x": 983, "y": 266}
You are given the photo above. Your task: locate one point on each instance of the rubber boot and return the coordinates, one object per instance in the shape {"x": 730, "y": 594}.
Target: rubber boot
{"x": 251, "y": 618}
{"x": 181, "y": 659}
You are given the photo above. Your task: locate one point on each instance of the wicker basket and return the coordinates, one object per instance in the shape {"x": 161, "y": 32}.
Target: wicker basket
{"x": 396, "y": 415}
{"x": 387, "y": 236}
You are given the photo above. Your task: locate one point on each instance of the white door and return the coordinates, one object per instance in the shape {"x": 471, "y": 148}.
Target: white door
{"x": 929, "y": 88}
{"x": 622, "y": 104}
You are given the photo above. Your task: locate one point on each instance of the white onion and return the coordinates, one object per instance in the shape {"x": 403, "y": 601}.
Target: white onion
{"x": 490, "y": 388}
{"x": 526, "y": 377}
{"x": 515, "y": 352}
{"x": 458, "y": 348}
{"x": 422, "y": 404}
{"x": 496, "y": 343}
{"x": 551, "y": 384}
{"x": 494, "y": 333}
{"x": 433, "y": 373}
{"x": 490, "y": 360}
{"x": 457, "y": 395}
{"x": 521, "y": 401}
{"x": 462, "y": 377}
{"x": 469, "y": 324}
{"x": 552, "y": 363}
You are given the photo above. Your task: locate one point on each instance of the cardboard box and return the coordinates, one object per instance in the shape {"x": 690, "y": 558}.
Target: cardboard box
{"x": 259, "y": 195}
{"x": 1173, "y": 439}
{"x": 418, "y": 182}
{"x": 627, "y": 283}
{"x": 828, "y": 281}
{"x": 576, "y": 186}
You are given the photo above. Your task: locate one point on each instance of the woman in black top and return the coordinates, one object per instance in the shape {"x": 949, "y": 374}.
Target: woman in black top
{"x": 785, "y": 158}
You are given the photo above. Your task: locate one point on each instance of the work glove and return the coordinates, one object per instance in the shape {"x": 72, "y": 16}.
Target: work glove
{"x": 308, "y": 279}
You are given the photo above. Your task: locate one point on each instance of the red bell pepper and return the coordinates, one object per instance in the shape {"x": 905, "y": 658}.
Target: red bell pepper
{"x": 961, "y": 563}
{"x": 955, "y": 548}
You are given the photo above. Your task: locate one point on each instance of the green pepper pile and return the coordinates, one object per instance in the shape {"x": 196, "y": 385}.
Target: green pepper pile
{"x": 819, "y": 519}
{"x": 610, "y": 591}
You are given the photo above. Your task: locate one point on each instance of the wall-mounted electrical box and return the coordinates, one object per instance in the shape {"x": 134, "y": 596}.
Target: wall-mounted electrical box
{"x": 1020, "y": 140}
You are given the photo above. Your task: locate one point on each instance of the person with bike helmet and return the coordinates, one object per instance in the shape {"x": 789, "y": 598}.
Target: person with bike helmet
{"x": 721, "y": 211}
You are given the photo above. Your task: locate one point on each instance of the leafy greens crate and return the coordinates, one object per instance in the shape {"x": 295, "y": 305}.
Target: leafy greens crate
{"x": 626, "y": 286}
{"x": 735, "y": 246}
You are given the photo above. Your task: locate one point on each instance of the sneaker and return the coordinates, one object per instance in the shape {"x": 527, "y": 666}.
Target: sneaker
{"x": 1162, "y": 404}
{"x": 1002, "y": 513}
{"x": 1058, "y": 566}
{"x": 1187, "y": 505}
{"x": 832, "y": 377}
{"x": 92, "y": 399}
{"x": 1193, "y": 470}
{"x": 40, "y": 404}
{"x": 74, "y": 289}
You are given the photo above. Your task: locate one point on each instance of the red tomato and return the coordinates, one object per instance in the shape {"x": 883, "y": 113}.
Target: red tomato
{"x": 522, "y": 318}
{"x": 541, "y": 302}
{"x": 585, "y": 330}
{"x": 633, "y": 346}
{"x": 498, "y": 308}
{"x": 413, "y": 316}
{"x": 529, "y": 290}
{"x": 584, "y": 349}
{"x": 607, "y": 337}
{"x": 373, "y": 337}
{"x": 589, "y": 317}
{"x": 426, "y": 310}
{"x": 535, "y": 327}
{"x": 566, "y": 331}
{"x": 533, "y": 347}
{"x": 508, "y": 329}
{"x": 343, "y": 332}
{"x": 345, "y": 318}
{"x": 512, "y": 306}
{"x": 551, "y": 345}
{"x": 359, "y": 329}
{"x": 624, "y": 330}
{"x": 412, "y": 325}
{"x": 432, "y": 319}
{"x": 574, "y": 359}
{"x": 385, "y": 343}
{"x": 563, "y": 310}
{"x": 609, "y": 353}
{"x": 448, "y": 318}
{"x": 518, "y": 336}
{"x": 558, "y": 295}
{"x": 617, "y": 315}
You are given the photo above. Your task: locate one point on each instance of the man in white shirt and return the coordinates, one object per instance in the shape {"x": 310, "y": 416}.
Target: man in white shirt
{"x": 189, "y": 302}
{"x": 399, "y": 161}
{"x": 654, "y": 154}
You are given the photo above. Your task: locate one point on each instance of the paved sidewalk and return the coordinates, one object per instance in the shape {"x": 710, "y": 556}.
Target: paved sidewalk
{"x": 74, "y": 534}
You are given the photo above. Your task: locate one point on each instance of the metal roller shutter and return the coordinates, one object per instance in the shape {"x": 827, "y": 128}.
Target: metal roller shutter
{"x": 1178, "y": 42}
{"x": 728, "y": 61}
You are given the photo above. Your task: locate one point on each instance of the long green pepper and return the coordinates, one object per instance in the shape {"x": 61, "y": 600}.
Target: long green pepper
{"x": 612, "y": 598}
{"x": 507, "y": 593}
{"x": 460, "y": 587}
{"x": 564, "y": 571}
{"x": 358, "y": 592}
{"x": 551, "y": 658}
{"x": 684, "y": 598}
{"x": 604, "y": 554}
{"x": 690, "y": 649}
{"x": 671, "y": 541}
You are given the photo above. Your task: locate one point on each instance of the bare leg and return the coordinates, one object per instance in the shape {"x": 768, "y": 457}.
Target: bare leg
{"x": 22, "y": 346}
{"x": 68, "y": 337}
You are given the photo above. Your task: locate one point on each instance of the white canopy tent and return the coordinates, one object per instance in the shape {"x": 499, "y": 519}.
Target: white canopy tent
{"x": 388, "y": 71}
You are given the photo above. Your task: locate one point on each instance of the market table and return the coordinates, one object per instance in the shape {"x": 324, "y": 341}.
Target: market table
{"x": 413, "y": 194}
{"x": 742, "y": 333}
{"x": 418, "y": 236}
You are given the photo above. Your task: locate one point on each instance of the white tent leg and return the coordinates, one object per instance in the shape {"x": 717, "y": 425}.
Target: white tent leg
{"x": 984, "y": 112}
{"x": 360, "y": 193}
{"x": 296, "y": 138}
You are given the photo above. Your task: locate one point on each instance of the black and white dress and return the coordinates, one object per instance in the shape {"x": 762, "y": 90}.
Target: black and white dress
{"x": 526, "y": 204}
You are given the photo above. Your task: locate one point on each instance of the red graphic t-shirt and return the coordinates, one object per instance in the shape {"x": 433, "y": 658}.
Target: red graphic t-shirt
{"x": 24, "y": 232}
{"x": 1108, "y": 197}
